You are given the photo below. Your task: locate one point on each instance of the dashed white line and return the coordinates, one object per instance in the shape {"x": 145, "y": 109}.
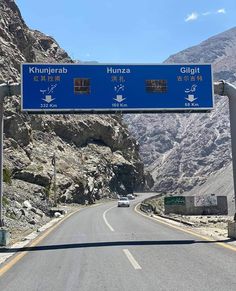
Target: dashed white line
{"x": 104, "y": 218}
{"x": 132, "y": 260}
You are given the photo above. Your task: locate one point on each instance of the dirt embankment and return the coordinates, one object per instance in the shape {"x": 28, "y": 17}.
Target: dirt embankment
{"x": 215, "y": 226}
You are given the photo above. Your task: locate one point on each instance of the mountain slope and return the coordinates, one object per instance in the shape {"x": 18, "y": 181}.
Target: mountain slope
{"x": 183, "y": 150}
{"x": 218, "y": 50}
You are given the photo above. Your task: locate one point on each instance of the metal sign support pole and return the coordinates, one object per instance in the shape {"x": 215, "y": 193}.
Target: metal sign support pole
{"x": 1, "y": 161}
{"x": 55, "y": 181}
{"x": 232, "y": 110}
{"x": 226, "y": 89}
{"x": 5, "y": 90}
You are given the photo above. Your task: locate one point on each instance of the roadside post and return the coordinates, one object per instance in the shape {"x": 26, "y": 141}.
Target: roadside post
{"x": 2, "y": 94}
{"x": 54, "y": 179}
{"x": 223, "y": 88}
{"x": 5, "y": 90}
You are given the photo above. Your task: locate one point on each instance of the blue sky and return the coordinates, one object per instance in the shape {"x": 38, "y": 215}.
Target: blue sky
{"x": 128, "y": 31}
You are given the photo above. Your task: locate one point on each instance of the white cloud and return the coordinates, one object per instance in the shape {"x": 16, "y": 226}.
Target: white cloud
{"x": 207, "y": 13}
{"x": 222, "y": 11}
{"x": 194, "y": 15}
{"x": 191, "y": 17}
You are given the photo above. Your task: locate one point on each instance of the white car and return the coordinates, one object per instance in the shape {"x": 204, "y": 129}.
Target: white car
{"x": 123, "y": 201}
{"x": 131, "y": 196}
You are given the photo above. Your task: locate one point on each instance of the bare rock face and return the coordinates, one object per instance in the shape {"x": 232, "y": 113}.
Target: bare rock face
{"x": 184, "y": 150}
{"x": 95, "y": 154}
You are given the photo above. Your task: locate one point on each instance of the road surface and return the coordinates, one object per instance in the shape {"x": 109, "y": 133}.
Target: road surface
{"x": 109, "y": 248}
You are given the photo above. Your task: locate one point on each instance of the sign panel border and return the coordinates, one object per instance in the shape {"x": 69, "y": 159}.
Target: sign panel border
{"x": 116, "y": 110}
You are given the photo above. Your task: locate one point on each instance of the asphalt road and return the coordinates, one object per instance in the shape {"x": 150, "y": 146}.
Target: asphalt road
{"x": 109, "y": 248}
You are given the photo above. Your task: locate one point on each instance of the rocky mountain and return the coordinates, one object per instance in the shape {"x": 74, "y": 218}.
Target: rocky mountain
{"x": 95, "y": 154}
{"x": 218, "y": 50}
{"x": 182, "y": 151}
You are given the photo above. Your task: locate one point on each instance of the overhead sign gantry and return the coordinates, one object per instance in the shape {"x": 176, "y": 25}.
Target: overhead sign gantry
{"x": 107, "y": 88}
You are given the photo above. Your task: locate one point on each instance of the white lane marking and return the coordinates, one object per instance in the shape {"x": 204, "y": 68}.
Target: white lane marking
{"x": 104, "y": 217}
{"x": 132, "y": 260}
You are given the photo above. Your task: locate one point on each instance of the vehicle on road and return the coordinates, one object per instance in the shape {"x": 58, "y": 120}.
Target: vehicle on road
{"x": 123, "y": 201}
{"x": 130, "y": 196}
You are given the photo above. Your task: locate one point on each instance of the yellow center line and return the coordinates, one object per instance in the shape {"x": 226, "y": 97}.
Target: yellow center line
{"x": 18, "y": 257}
{"x": 222, "y": 244}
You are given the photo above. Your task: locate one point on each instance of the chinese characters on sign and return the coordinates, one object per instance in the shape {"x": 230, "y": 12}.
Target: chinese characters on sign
{"x": 44, "y": 78}
{"x": 186, "y": 78}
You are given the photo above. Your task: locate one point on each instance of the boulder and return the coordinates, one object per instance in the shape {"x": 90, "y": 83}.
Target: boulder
{"x": 27, "y": 204}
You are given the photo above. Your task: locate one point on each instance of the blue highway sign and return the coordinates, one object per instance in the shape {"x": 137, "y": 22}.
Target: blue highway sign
{"x": 61, "y": 88}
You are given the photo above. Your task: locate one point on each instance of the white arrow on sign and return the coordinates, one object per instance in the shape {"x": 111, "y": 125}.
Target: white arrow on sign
{"x": 119, "y": 98}
{"x": 48, "y": 98}
{"x": 191, "y": 98}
